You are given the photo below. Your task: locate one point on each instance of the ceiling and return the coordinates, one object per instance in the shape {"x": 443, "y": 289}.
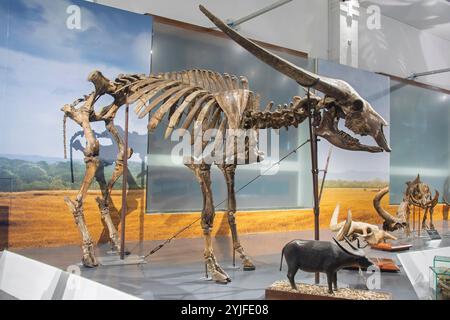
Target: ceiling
{"x": 430, "y": 15}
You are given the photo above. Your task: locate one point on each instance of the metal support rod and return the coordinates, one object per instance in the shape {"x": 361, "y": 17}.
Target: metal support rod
{"x": 315, "y": 176}
{"x": 262, "y": 11}
{"x": 325, "y": 171}
{"x": 428, "y": 73}
{"x": 124, "y": 186}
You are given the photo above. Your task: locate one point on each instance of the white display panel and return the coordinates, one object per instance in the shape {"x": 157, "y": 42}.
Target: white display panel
{"x": 28, "y": 279}
{"x": 417, "y": 267}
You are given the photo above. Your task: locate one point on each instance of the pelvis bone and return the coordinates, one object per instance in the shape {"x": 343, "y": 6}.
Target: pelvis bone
{"x": 355, "y": 230}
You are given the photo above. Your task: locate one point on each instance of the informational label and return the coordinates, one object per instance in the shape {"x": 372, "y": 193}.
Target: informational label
{"x": 433, "y": 234}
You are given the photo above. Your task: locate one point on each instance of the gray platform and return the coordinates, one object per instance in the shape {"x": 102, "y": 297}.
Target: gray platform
{"x": 176, "y": 271}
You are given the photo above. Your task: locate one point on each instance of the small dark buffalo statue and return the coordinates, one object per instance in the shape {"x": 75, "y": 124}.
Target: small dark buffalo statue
{"x": 321, "y": 256}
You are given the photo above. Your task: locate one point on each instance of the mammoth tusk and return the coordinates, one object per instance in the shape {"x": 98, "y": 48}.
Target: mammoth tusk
{"x": 303, "y": 77}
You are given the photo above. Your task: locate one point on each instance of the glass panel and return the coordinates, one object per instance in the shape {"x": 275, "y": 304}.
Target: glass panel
{"x": 173, "y": 188}
{"x": 420, "y": 137}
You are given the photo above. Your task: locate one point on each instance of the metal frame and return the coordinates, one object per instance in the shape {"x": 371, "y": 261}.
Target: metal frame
{"x": 427, "y": 73}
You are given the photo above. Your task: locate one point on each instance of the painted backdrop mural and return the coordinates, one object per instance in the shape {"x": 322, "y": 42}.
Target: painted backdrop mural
{"x": 47, "y": 50}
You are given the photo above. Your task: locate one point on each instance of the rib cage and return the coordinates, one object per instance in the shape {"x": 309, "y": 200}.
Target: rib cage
{"x": 190, "y": 96}
{"x": 186, "y": 97}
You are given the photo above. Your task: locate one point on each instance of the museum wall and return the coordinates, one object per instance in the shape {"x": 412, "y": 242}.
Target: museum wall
{"x": 400, "y": 49}
{"x": 379, "y": 50}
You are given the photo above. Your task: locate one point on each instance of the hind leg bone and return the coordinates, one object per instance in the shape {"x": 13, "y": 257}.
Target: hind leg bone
{"x": 103, "y": 203}
{"x": 92, "y": 163}
{"x": 229, "y": 174}
{"x": 203, "y": 174}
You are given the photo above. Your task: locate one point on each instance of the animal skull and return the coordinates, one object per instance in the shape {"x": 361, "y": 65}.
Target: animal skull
{"x": 355, "y": 230}
{"x": 419, "y": 194}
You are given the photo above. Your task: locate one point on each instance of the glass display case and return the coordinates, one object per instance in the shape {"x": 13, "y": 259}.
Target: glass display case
{"x": 440, "y": 278}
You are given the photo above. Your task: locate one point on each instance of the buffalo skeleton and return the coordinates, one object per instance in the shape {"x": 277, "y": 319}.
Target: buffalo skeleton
{"x": 207, "y": 99}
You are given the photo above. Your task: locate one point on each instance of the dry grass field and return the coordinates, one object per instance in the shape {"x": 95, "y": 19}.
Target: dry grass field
{"x": 41, "y": 218}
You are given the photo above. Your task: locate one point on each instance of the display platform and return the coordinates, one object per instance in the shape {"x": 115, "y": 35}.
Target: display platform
{"x": 176, "y": 271}
{"x": 281, "y": 290}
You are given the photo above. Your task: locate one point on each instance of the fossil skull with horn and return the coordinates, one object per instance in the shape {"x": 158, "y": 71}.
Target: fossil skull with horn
{"x": 356, "y": 230}
{"x": 341, "y": 100}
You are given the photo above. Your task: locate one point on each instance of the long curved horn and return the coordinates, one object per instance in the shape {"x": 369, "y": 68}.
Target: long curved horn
{"x": 346, "y": 228}
{"x": 350, "y": 243}
{"x": 334, "y": 225}
{"x": 303, "y": 77}
{"x": 358, "y": 253}
{"x": 386, "y": 216}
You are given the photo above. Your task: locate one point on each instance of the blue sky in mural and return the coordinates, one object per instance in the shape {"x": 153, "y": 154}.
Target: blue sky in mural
{"x": 44, "y": 65}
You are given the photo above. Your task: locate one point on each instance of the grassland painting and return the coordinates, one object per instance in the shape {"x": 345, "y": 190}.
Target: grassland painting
{"x": 47, "y": 50}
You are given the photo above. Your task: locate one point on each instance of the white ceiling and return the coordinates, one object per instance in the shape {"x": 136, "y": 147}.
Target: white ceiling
{"x": 430, "y": 15}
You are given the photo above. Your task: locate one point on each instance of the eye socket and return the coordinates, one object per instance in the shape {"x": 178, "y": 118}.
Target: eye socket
{"x": 358, "y": 105}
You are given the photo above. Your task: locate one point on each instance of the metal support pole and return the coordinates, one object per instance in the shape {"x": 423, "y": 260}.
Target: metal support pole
{"x": 325, "y": 174}
{"x": 235, "y": 23}
{"x": 234, "y": 257}
{"x": 124, "y": 187}
{"x": 315, "y": 176}
{"x": 428, "y": 73}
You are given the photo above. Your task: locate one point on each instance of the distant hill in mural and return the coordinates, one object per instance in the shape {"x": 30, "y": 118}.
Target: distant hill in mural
{"x": 359, "y": 175}
{"x": 31, "y": 158}
{"x": 369, "y": 184}
{"x": 51, "y": 174}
